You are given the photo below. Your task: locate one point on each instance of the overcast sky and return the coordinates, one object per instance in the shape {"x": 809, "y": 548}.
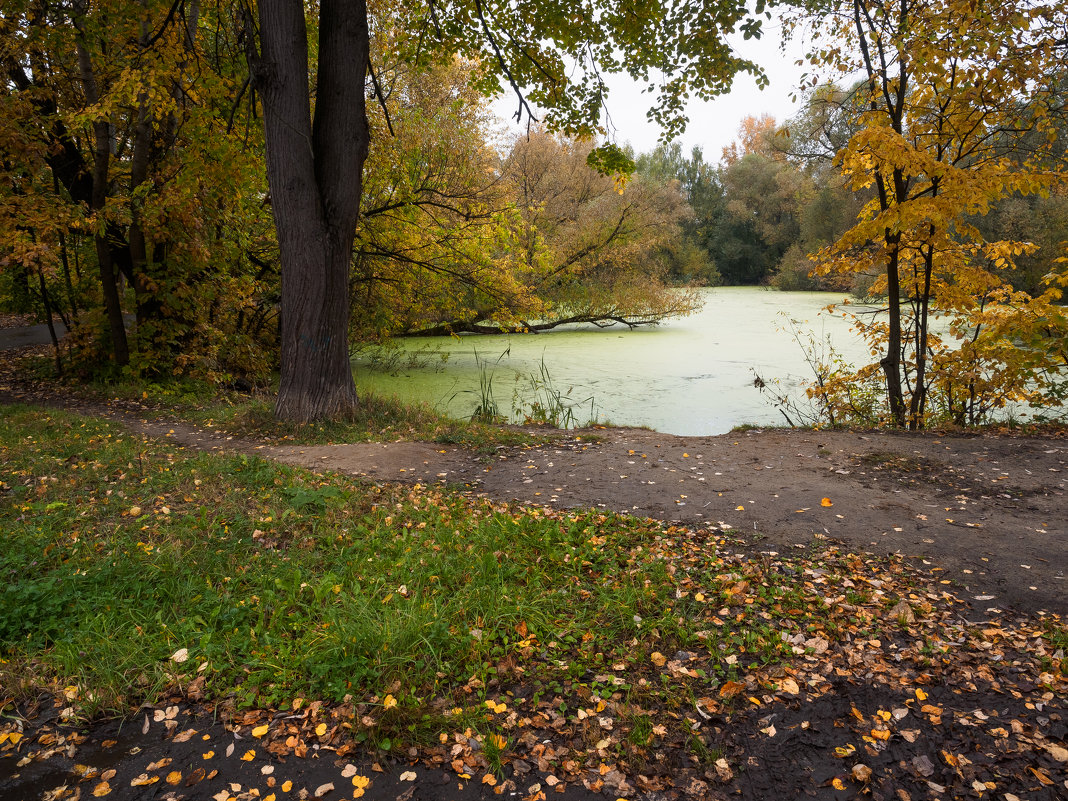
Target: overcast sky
{"x": 713, "y": 125}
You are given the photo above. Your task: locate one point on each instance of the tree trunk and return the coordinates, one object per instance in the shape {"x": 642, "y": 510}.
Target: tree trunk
{"x": 891, "y": 362}
{"x": 101, "y": 161}
{"x": 315, "y": 176}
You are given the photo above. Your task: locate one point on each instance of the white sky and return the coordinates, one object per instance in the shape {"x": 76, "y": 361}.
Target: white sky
{"x": 713, "y": 125}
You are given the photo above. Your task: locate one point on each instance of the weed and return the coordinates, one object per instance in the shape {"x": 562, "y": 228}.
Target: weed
{"x": 549, "y": 405}
{"x": 641, "y": 732}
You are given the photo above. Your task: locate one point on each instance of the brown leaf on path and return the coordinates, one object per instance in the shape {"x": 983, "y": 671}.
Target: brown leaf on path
{"x": 861, "y": 772}
{"x": 730, "y": 689}
{"x": 1041, "y": 775}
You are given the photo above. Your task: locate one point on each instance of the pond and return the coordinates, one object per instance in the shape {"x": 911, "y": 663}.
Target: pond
{"x": 690, "y": 376}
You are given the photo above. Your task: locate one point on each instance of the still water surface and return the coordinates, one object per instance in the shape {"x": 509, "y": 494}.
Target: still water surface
{"x": 691, "y": 376}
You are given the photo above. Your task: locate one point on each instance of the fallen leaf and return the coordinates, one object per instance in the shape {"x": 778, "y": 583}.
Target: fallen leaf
{"x": 1040, "y": 774}
{"x": 730, "y": 688}
{"x": 181, "y": 655}
{"x": 143, "y": 780}
{"x": 101, "y": 789}
{"x": 789, "y": 686}
{"x": 389, "y": 702}
{"x": 320, "y": 730}
{"x": 249, "y": 755}
{"x": 408, "y": 776}
{"x": 861, "y": 773}
{"x": 323, "y": 789}
{"x": 1060, "y": 753}
{"x": 174, "y": 777}
{"x": 826, "y": 502}
{"x": 259, "y": 731}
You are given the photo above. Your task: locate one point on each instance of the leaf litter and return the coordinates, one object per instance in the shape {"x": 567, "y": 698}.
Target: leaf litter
{"x": 750, "y": 674}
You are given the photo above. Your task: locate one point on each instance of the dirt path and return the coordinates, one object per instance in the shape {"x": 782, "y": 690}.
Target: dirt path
{"x": 990, "y": 512}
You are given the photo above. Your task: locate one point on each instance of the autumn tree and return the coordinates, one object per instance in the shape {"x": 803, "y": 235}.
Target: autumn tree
{"x": 437, "y": 219}
{"x": 690, "y": 259}
{"x": 950, "y": 90}
{"x": 118, "y": 132}
{"x": 593, "y": 249}
{"x": 551, "y": 53}
{"x": 756, "y": 135}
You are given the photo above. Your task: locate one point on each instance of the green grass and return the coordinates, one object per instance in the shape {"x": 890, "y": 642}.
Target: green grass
{"x": 118, "y": 552}
{"x": 377, "y": 419}
{"x": 252, "y": 416}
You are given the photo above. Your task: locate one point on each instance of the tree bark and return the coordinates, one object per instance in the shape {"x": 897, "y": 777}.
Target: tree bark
{"x": 315, "y": 172}
{"x": 101, "y": 162}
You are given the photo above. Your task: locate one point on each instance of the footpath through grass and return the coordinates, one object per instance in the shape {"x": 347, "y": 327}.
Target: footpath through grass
{"x": 131, "y": 570}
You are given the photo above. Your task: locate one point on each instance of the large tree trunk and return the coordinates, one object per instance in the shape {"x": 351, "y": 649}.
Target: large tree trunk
{"x": 315, "y": 176}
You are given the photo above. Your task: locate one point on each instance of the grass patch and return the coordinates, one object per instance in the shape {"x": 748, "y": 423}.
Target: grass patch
{"x": 410, "y": 607}
{"x": 251, "y": 415}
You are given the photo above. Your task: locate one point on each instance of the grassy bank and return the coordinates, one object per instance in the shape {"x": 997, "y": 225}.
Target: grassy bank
{"x": 130, "y": 569}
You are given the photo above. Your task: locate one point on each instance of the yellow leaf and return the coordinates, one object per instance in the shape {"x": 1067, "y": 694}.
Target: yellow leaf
{"x": 287, "y": 785}
{"x": 360, "y": 782}
{"x": 248, "y": 756}
{"x": 174, "y": 777}
{"x": 837, "y": 783}
{"x": 389, "y": 702}
{"x": 844, "y": 750}
{"x": 921, "y": 694}
{"x": 489, "y": 779}
{"x": 826, "y": 502}
{"x": 101, "y": 789}
{"x": 739, "y": 508}
{"x": 208, "y": 754}
{"x": 259, "y": 731}
{"x": 320, "y": 730}
{"x": 880, "y": 734}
